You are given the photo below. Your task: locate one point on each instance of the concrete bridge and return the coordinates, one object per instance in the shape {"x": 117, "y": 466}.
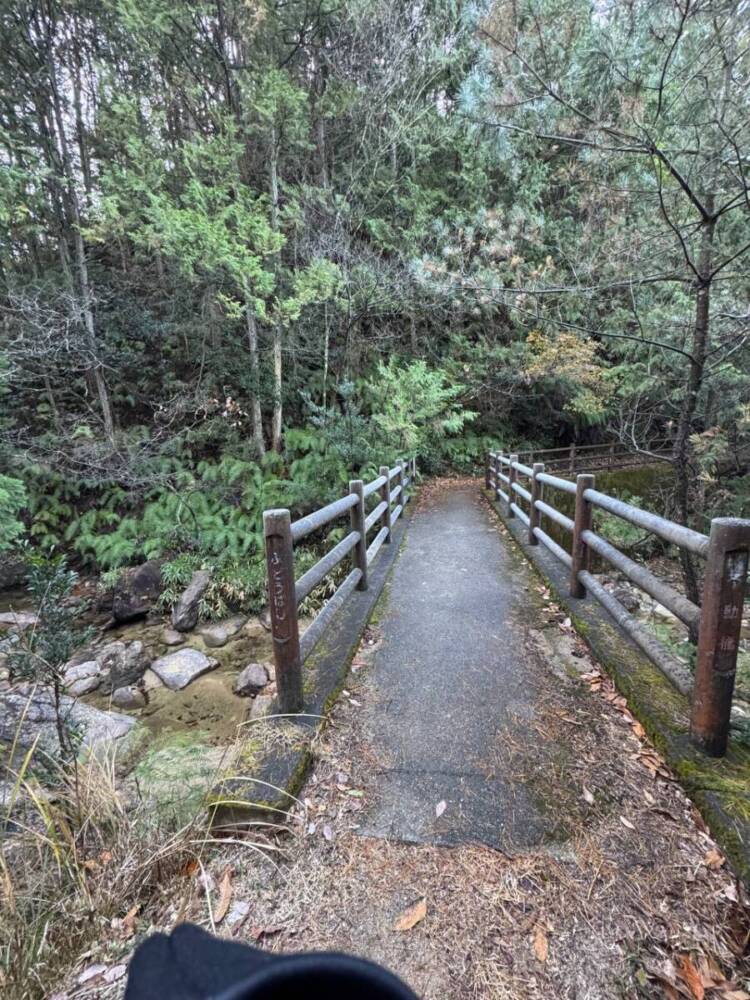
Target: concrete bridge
{"x": 459, "y": 688}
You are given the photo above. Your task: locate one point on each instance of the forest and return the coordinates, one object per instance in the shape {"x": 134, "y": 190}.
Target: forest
{"x": 250, "y": 249}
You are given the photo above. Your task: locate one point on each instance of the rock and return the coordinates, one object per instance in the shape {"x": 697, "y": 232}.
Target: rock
{"x": 27, "y": 715}
{"x": 136, "y": 591}
{"x": 251, "y": 680}
{"x": 254, "y": 628}
{"x": 123, "y": 664}
{"x": 151, "y": 681}
{"x": 627, "y": 598}
{"x": 128, "y": 697}
{"x": 261, "y": 706}
{"x": 17, "y": 619}
{"x": 13, "y": 572}
{"x": 220, "y": 633}
{"x": 180, "y": 668}
{"x": 82, "y": 678}
{"x": 170, "y": 637}
{"x": 264, "y": 618}
{"x": 185, "y": 612}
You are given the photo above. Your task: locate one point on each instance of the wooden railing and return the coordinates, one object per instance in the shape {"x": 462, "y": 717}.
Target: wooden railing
{"x": 717, "y": 620}
{"x": 590, "y": 457}
{"x": 286, "y": 593}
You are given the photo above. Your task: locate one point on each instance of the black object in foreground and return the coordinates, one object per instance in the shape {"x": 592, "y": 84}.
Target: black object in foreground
{"x": 190, "y": 964}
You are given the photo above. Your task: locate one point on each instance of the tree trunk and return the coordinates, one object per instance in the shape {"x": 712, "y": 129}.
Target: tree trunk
{"x": 684, "y": 473}
{"x": 278, "y": 373}
{"x": 255, "y": 412}
{"x": 75, "y": 225}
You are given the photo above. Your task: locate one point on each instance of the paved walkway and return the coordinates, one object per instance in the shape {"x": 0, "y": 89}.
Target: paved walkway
{"x": 456, "y": 691}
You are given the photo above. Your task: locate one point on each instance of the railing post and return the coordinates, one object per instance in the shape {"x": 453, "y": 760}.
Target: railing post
{"x": 357, "y": 517}
{"x": 572, "y": 462}
{"x": 385, "y": 496}
{"x": 721, "y": 620}
{"x": 580, "y": 551}
{"x": 487, "y": 470}
{"x": 400, "y": 480}
{"x": 533, "y": 512}
{"x": 511, "y": 480}
{"x": 498, "y": 466}
{"x": 277, "y": 528}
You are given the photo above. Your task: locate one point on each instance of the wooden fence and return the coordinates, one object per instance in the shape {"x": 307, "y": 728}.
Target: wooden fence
{"x": 591, "y": 457}
{"x": 717, "y": 620}
{"x": 286, "y": 593}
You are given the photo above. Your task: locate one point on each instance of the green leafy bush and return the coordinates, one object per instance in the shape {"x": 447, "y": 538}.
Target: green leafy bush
{"x": 12, "y": 501}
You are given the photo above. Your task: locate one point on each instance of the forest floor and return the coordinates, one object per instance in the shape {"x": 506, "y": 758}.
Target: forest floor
{"x": 626, "y": 895}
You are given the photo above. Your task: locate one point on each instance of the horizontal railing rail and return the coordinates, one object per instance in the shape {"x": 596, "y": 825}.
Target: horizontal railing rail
{"x": 716, "y": 621}
{"x": 585, "y": 457}
{"x": 286, "y": 593}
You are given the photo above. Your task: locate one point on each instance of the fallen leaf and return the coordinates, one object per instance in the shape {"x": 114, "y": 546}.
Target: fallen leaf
{"x": 541, "y": 944}
{"x": 688, "y": 973}
{"x": 440, "y": 808}
{"x": 714, "y": 859}
{"x": 327, "y": 832}
{"x": 588, "y": 796}
{"x": 191, "y": 867}
{"x": 127, "y": 924}
{"x": 627, "y": 823}
{"x": 412, "y": 915}
{"x": 225, "y": 896}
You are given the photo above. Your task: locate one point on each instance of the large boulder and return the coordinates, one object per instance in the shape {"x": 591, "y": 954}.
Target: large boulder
{"x": 219, "y": 633}
{"x": 122, "y": 663}
{"x": 177, "y": 670}
{"x": 28, "y": 715}
{"x": 13, "y": 572}
{"x": 186, "y": 611}
{"x": 136, "y": 591}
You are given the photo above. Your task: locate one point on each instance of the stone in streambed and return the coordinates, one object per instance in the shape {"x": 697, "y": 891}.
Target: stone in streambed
{"x": 186, "y": 610}
{"x": 177, "y": 670}
{"x": 17, "y": 619}
{"x": 136, "y": 591}
{"x": 251, "y": 680}
{"x": 28, "y": 716}
{"x": 151, "y": 681}
{"x": 128, "y": 697}
{"x": 171, "y": 637}
{"x": 82, "y": 678}
{"x": 220, "y": 633}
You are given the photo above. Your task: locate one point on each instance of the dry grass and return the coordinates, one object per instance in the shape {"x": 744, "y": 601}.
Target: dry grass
{"x": 86, "y": 862}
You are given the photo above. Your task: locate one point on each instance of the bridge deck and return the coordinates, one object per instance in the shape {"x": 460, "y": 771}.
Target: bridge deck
{"x": 459, "y": 689}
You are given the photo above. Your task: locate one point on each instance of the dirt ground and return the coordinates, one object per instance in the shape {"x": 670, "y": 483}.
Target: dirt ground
{"x": 631, "y": 898}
